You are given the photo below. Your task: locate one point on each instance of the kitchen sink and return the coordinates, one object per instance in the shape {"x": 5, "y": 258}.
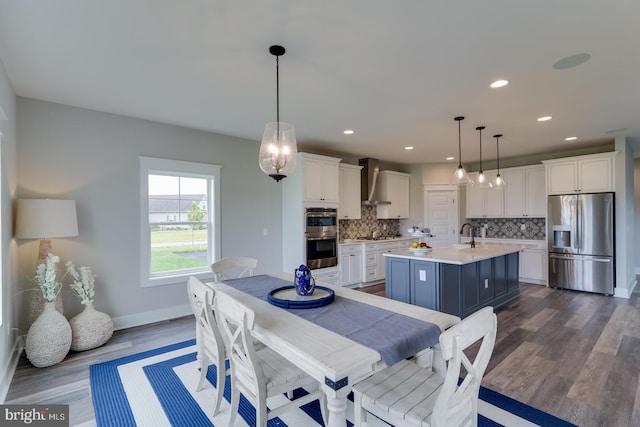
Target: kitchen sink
{"x": 461, "y": 245}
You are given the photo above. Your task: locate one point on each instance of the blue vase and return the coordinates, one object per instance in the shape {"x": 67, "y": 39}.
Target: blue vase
{"x": 305, "y": 283}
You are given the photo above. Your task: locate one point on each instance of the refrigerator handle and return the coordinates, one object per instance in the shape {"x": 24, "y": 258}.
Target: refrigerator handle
{"x": 577, "y": 224}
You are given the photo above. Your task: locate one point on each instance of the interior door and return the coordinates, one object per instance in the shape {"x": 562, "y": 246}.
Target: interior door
{"x": 442, "y": 217}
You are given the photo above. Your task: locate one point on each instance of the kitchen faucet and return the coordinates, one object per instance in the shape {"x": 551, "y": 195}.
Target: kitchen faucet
{"x": 375, "y": 234}
{"x": 473, "y": 242}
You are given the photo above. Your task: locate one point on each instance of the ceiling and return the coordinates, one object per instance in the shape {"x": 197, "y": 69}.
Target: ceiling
{"x": 397, "y": 73}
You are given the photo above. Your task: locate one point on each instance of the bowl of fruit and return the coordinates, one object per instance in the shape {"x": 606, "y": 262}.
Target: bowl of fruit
{"x": 419, "y": 248}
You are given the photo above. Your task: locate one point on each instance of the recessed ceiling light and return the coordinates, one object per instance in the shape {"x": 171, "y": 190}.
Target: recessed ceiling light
{"x": 450, "y": 158}
{"x": 544, "y": 118}
{"x": 408, "y": 147}
{"x": 348, "y": 132}
{"x": 571, "y": 138}
{"x": 572, "y": 61}
{"x": 499, "y": 83}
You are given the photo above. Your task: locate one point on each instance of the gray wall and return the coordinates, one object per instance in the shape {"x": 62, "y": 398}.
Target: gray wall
{"x": 625, "y": 219}
{"x": 9, "y": 337}
{"x": 92, "y": 157}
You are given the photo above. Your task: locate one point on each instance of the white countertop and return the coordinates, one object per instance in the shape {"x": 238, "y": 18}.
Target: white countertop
{"x": 452, "y": 255}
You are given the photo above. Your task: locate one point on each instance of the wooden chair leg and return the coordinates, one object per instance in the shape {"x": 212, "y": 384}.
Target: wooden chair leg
{"x": 360, "y": 414}
{"x": 202, "y": 362}
{"x": 261, "y": 412}
{"x": 323, "y": 409}
{"x": 235, "y": 403}
{"x": 220, "y": 382}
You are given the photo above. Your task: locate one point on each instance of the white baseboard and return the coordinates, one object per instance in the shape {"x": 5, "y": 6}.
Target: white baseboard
{"x": 626, "y": 292}
{"x": 7, "y": 373}
{"x": 153, "y": 316}
{"x": 534, "y": 281}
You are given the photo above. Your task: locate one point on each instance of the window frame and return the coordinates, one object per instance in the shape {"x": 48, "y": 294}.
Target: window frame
{"x": 151, "y": 165}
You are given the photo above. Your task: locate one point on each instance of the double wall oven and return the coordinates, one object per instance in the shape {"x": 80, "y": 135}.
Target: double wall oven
{"x": 321, "y": 235}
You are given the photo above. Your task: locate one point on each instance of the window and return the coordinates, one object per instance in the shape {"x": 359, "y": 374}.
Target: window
{"x": 179, "y": 221}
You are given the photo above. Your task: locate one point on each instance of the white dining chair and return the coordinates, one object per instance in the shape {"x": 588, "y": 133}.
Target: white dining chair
{"x": 407, "y": 394}
{"x": 259, "y": 374}
{"x": 209, "y": 340}
{"x": 239, "y": 266}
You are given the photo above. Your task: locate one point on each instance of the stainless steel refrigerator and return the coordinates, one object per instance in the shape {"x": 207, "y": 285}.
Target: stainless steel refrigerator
{"x": 581, "y": 242}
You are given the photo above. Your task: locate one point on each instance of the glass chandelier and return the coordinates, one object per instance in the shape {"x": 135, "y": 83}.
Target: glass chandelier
{"x": 460, "y": 176}
{"x": 498, "y": 182}
{"x": 482, "y": 180}
{"x": 278, "y": 150}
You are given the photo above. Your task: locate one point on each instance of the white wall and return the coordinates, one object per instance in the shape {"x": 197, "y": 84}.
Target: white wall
{"x": 92, "y": 157}
{"x": 625, "y": 219}
{"x": 9, "y": 339}
{"x": 636, "y": 198}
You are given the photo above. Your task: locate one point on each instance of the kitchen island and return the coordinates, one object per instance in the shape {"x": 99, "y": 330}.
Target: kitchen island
{"x": 458, "y": 280}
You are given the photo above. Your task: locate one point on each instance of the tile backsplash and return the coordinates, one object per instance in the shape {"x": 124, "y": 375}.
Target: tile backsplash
{"x": 511, "y": 228}
{"x": 497, "y": 228}
{"x": 354, "y": 228}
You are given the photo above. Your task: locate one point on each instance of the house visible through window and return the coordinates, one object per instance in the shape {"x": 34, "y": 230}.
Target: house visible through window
{"x": 180, "y": 201}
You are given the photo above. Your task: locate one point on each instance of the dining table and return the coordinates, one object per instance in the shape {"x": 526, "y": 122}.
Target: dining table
{"x": 342, "y": 343}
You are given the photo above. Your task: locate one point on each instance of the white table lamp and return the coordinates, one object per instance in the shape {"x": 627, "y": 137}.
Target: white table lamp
{"x": 45, "y": 219}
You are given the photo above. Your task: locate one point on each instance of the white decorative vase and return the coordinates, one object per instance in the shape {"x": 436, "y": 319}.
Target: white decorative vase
{"x": 90, "y": 329}
{"x": 36, "y": 305}
{"x": 49, "y": 338}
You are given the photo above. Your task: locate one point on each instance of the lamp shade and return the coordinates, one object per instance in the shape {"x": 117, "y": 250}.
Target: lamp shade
{"x": 46, "y": 218}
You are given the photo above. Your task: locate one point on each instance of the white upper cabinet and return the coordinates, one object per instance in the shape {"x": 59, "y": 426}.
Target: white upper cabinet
{"x": 393, "y": 187}
{"x": 349, "y": 200}
{"x": 320, "y": 178}
{"x": 484, "y": 202}
{"x": 581, "y": 174}
{"x": 524, "y": 194}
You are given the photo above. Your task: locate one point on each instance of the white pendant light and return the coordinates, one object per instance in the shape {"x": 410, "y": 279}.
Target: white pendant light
{"x": 460, "y": 176}
{"x": 482, "y": 181}
{"x": 278, "y": 150}
{"x": 498, "y": 182}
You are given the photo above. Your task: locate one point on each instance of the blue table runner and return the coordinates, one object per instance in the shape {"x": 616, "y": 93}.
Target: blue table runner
{"x": 394, "y": 336}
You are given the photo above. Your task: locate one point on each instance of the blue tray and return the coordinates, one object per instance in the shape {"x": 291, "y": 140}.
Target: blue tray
{"x": 286, "y": 297}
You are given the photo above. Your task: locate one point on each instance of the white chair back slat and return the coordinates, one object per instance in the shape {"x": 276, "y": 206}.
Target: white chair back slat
{"x": 233, "y": 267}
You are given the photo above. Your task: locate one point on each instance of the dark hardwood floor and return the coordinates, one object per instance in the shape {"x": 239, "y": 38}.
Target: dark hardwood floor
{"x": 574, "y": 355}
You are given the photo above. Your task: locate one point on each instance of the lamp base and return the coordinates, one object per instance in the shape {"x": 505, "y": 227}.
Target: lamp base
{"x": 36, "y": 304}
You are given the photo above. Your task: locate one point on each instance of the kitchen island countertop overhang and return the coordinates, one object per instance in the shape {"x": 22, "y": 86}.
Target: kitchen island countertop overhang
{"x": 453, "y": 255}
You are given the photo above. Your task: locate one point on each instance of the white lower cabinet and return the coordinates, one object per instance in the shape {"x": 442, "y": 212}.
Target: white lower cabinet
{"x": 350, "y": 263}
{"x": 533, "y": 264}
{"x": 374, "y": 260}
{"x": 330, "y": 275}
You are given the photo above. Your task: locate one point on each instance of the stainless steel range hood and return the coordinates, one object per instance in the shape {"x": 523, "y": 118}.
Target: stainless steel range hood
{"x": 368, "y": 182}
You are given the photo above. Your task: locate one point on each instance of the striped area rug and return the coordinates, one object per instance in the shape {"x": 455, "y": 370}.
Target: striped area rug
{"x": 155, "y": 388}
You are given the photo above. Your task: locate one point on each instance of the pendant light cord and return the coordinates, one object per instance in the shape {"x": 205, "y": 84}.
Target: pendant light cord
{"x": 498, "y": 154}
{"x": 278, "y": 97}
{"x": 480, "y": 129}
{"x": 459, "y": 119}
{"x": 459, "y": 147}
{"x": 481, "y": 151}
{"x": 497, "y": 137}
{"x": 278, "y": 89}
